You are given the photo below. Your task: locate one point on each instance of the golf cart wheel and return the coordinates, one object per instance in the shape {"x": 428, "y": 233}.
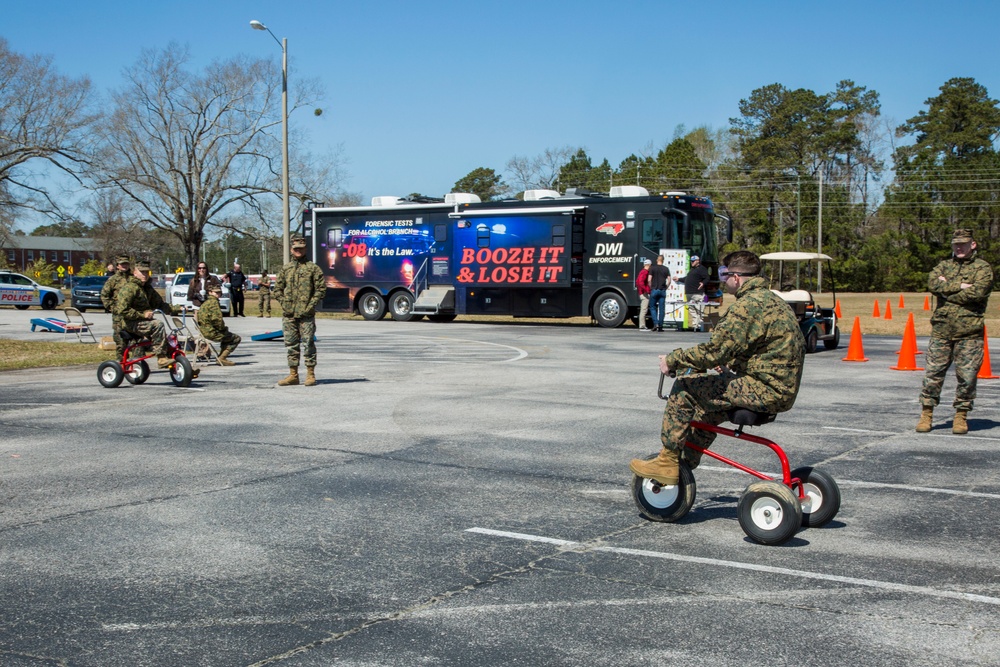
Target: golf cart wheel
{"x": 110, "y": 374}
{"x": 822, "y": 501}
{"x": 181, "y": 372}
{"x": 139, "y": 372}
{"x": 665, "y": 503}
{"x": 812, "y": 338}
{"x": 769, "y": 512}
{"x": 833, "y": 343}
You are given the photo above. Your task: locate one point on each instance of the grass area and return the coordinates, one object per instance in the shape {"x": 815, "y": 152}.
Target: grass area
{"x": 862, "y": 306}
{"x": 21, "y": 354}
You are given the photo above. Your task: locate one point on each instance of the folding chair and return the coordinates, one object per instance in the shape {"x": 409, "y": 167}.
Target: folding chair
{"x": 189, "y": 331}
{"x": 77, "y": 324}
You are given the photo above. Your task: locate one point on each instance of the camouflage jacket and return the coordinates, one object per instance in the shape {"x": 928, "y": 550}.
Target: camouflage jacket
{"x": 265, "y": 284}
{"x": 135, "y": 298}
{"x": 109, "y": 292}
{"x": 299, "y": 288}
{"x": 209, "y": 318}
{"x": 958, "y": 313}
{"x": 760, "y": 340}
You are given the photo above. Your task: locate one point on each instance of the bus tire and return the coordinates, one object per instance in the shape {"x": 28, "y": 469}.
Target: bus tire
{"x": 610, "y": 310}
{"x": 371, "y": 306}
{"x": 401, "y": 306}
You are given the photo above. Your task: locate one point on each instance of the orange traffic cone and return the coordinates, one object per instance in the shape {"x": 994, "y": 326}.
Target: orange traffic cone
{"x": 856, "y": 349}
{"x": 927, "y": 303}
{"x": 901, "y": 301}
{"x": 836, "y": 310}
{"x": 875, "y": 312}
{"x": 908, "y": 352}
{"x": 888, "y": 310}
{"x": 985, "y": 372}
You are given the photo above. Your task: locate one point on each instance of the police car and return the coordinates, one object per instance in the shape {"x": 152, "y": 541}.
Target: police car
{"x": 21, "y": 292}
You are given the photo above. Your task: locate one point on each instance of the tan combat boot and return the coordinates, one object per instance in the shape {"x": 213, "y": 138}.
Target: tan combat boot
{"x": 164, "y": 362}
{"x": 293, "y": 378}
{"x": 924, "y": 425}
{"x": 310, "y": 377}
{"x": 224, "y": 361}
{"x": 665, "y": 468}
{"x": 960, "y": 426}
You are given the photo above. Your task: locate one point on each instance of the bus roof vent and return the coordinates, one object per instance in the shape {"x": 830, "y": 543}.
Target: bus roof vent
{"x": 461, "y": 198}
{"x": 538, "y": 195}
{"x": 385, "y": 201}
{"x": 629, "y": 191}
{"x": 677, "y": 193}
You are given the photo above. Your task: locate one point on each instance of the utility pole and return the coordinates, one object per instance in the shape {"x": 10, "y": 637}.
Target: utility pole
{"x": 798, "y": 224}
{"x": 819, "y": 235}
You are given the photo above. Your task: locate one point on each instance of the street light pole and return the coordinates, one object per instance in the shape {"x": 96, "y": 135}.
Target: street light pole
{"x": 286, "y": 201}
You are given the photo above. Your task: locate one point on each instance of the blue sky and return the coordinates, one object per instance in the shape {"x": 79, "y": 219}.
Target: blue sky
{"x": 420, "y": 93}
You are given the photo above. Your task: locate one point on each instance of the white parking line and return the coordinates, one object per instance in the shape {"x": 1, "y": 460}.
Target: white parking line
{"x": 873, "y": 485}
{"x": 922, "y": 435}
{"x": 802, "y": 574}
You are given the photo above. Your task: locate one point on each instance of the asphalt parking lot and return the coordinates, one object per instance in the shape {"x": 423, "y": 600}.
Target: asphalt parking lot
{"x": 458, "y": 494}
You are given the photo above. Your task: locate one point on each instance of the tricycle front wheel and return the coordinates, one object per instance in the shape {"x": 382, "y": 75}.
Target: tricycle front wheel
{"x": 665, "y": 503}
{"x": 769, "y": 512}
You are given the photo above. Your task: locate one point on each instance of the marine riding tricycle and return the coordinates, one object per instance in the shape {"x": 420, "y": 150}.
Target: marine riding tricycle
{"x": 771, "y": 510}
{"x": 133, "y": 368}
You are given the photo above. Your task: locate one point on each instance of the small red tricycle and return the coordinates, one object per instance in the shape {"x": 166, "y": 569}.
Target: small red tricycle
{"x": 770, "y": 511}
{"x": 133, "y": 368}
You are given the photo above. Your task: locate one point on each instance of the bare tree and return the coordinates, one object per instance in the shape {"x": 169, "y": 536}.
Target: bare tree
{"x": 191, "y": 150}
{"x": 43, "y": 119}
{"x": 541, "y": 171}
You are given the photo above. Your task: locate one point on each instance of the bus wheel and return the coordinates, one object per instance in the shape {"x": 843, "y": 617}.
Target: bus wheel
{"x": 372, "y": 306}
{"x": 610, "y": 310}
{"x": 401, "y": 306}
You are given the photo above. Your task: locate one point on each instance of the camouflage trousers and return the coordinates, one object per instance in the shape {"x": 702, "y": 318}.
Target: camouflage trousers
{"x": 265, "y": 303}
{"x": 229, "y": 342}
{"x": 704, "y": 398}
{"x": 300, "y": 330}
{"x": 967, "y": 354}
{"x": 116, "y": 327}
{"x": 154, "y": 331}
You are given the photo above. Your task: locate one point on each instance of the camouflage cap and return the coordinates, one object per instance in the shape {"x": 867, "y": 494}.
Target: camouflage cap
{"x": 298, "y": 242}
{"x": 123, "y": 259}
{"x": 961, "y": 236}
{"x": 143, "y": 265}
{"x": 214, "y": 288}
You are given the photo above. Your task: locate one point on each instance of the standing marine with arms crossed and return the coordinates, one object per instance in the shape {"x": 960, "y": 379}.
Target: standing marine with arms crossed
{"x": 962, "y": 285}
{"x": 109, "y": 297}
{"x": 299, "y": 289}
{"x": 759, "y": 348}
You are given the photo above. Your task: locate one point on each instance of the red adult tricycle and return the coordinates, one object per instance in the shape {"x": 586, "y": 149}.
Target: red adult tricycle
{"x": 133, "y": 368}
{"x": 770, "y": 511}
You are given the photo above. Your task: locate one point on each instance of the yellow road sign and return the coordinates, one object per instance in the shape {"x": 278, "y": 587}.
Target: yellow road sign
{"x": 179, "y": 269}
{"x": 70, "y": 269}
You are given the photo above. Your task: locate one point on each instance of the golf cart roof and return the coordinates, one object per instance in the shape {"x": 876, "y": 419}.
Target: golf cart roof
{"x": 796, "y": 257}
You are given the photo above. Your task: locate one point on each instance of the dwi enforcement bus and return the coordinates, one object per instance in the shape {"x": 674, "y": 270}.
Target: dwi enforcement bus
{"x": 548, "y": 255}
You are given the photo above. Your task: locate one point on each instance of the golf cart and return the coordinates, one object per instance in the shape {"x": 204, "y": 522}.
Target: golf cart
{"x": 817, "y": 324}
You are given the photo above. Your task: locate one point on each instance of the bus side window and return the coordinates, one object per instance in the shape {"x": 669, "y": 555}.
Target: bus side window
{"x": 652, "y": 235}
{"x": 482, "y": 235}
{"x": 559, "y": 235}
{"x": 335, "y": 238}
{"x": 440, "y": 233}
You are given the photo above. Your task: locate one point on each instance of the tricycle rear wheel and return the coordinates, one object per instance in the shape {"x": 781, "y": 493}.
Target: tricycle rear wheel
{"x": 822, "y": 500}
{"x": 769, "y": 512}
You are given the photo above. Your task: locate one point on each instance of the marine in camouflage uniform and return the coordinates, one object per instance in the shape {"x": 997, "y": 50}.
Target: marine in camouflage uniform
{"x": 299, "y": 288}
{"x": 759, "y": 347}
{"x": 213, "y": 327}
{"x": 109, "y": 294}
{"x": 265, "y": 296}
{"x": 135, "y": 302}
{"x": 961, "y": 285}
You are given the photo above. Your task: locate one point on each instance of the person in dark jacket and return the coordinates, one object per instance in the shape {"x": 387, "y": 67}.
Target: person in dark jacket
{"x": 198, "y": 289}
{"x": 694, "y": 292}
{"x": 237, "y": 285}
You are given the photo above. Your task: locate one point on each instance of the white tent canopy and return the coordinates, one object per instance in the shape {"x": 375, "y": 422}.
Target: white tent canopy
{"x": 796, "y": 257}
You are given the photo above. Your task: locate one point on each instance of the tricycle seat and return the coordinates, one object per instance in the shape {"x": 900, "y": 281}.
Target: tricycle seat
{"x": 745, "y": 417}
